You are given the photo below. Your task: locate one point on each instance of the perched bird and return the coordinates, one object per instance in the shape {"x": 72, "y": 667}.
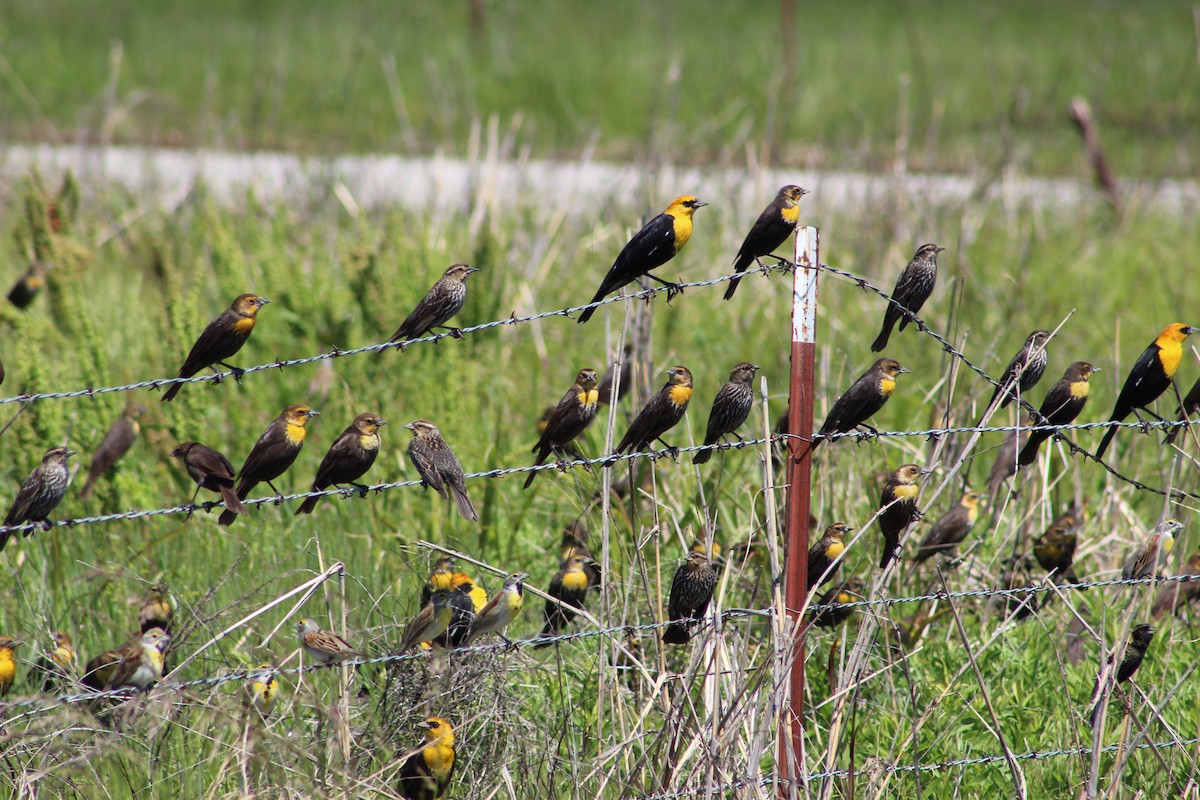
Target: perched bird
{"x": 730, "y": 408}
{"x": 1135, "y": 653}
{"x": 466, "y": 599}
{"x": 824, "y": 551}
{"x": 348, "y": 458}
{"x": 223, "y": 337}
{"x": 691, "y": 591}
{"x": 1005, "y": 465}
{"x": 913, "y": 288}
{"x": 442, "y": 302}
{"x": 262, "y": 688}
{"x": 156, "y": 611}
{"x": 898, "y": 508}
{"x": 32, "y": 281}
{"x": 654, "y": 245}
{"x": 1062, "y": 405}
{"x": 113, "y": 446}
{"x": 438, "y": 466}
{"x": 501, "y": 609}
{"x": 605, "y": 388}
{"x": 772, "y": 228}
{"x": 569, "y": 586}
{"x": 273, "y": 453}
{"x": 1188, "y": 408}
{"x": 1144, "y": 561}
{"x": 831, "y": 615}
{"x": 210, "y": 470}
{"x": 55, "y": 669}
{"x": 570, "y": 417}
{"x": 138, "y": 664}
{"x": 440, "y": 578}
{"x": 663, "y": 412}
{"x": 40, "y": 493}
{"x": 430, "y": 622}
{"x": 1055, "y": 552}
{"x": 574, "y": 543}
{"x": 1024, "y": 371}
{"x": 864, "y": 397}
{"x": 713, "y": 551}
{"x": 426, "y": 774}
{"x": 1152, "y": 373}
{"x": 1176, "y": 594}
{"x": 8, "y": 664}
{"x": 321, "y": 646}
{"x": 945, "y": 535}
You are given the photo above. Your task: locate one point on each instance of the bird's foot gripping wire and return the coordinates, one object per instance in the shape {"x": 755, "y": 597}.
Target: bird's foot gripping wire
{"x": 866, "y": 435}
{"x": 237, "y": 372}
{"x": 673, "y": 291}
{"x": 784, "y": 265}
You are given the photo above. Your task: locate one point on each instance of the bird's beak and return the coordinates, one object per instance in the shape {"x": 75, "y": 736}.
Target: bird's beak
{"x": 903, "y": 369}
{"x": 70, "y": 452}
{"x": 379, "y": 423}
{"x": 472, "y": 269}
{"x": 262, "y": 301}
{"x": 311, "y": 413}
{"x": 1096, "y": 369}
{"x": 804, "y": 192}
{"x": 1190, "y": 329}
{"x": 939, "y": 249}
{"x": 699, "y": 204}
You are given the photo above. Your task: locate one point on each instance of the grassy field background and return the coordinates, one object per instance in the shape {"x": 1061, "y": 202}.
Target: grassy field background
{"x": 554, "y": 722}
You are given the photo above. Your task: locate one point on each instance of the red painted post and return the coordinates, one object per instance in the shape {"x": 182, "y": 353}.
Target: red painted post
{"x": 799, "y": 473}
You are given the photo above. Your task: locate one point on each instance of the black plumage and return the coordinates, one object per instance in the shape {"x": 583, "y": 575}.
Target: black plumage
{"x": 691, "y": 592}
{"x": 221, "y": 339}
{"x": 772, "y": 228}
{"x": 273, "y": 454}
{"x": 113, "y": 447}
{"x": 662, "y": 412}
{"x": 1062, "y": 405}
{"x": 898, "y": 508}
{"x": 865, "y": 396}
{"x": 210, "y": 470}
{"x": 348, "y": 458}
{"x": 574, "y": 412}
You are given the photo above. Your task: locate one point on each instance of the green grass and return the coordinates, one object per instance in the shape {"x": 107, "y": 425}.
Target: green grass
{"x": 700, "y": 83}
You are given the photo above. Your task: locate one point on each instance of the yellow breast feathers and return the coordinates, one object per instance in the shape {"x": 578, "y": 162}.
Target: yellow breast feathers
{"x": 791, "y": 213}
{"x": 907, "y": 492}
{"x": 887, "y": 386}
{"x": 244, "y": 325}
{"x": 296, "y": 433}
{"x": 680, "y": 395}
{"x": 834, "y": 549}
{"x": 588, "y": 398}
{"x": 1080, "y": 389}
{"x": 368, "y": 441}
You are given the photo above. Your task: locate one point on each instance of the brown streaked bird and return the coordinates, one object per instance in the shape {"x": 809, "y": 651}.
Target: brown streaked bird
{"x": 898, "y": 508}
{"x": 1143, "y": 562}
{"x": 31, "y": 282}
{"x": 691, "y": 592}
{"x": 221, "y": 339}
{"x": 442, "y": 302}
{"x": 156, "y": 610}
{"x": 430, "y": 622}
{"x": 569, "y": 586}
{"x": 945, "y": 535}
{"x": 1188, "y": 408}
{"x": 1055, "y": 552}
{"x": 1062, "y": 405}
{"x": 605, "y": 388}
{"x": 40, "y": 493}
{"x": 1005, "y": 465}
{"x": 8, "y": 664}
{"x": 322, "y": 646}
{"x": 713, "y": 552}
{"x": 730, "y": 408}
{"x": 348, "y": 458}
{"x": 438, "y": 466}
{"x": 138, "y": 664}
{"x": 1024, "y": 371}
{"x": 273, "y": 454}
{"x": 570, "y": 418}
{"x": 772, "y": 228}
{"x": 1135, "y": 653}
{"x": 210, "y": 470}
{"x": 1152, "y": 373}
{"x": 824, "y": 552}
{"x": 913, "y": 288}
{"x": 1176, "y": 594}
{"x": 426, "y": 773}
{"x": 864, "y": 397}
{"x": 851, "y": 590}
{"x": 113, "y": 446}
{"x": 654, "y": 245}
{"x": 55, "y": 670}
{"x": 663, "y": 412}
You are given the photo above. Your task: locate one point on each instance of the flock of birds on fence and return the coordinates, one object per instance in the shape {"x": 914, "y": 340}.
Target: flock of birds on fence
{"x": 455, "y": 609}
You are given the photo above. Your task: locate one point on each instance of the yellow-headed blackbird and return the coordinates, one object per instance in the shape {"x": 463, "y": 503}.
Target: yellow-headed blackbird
{"x": 1176, "y": 594}
{"x": 864, "y": 397}
{"x": 1135, "y": 652}
{"x": 833, "y": 614}
{"x": 574, "y": 543}
{"x": 913, "y": 288}
{"x": 898, "y": 508}
{"x": 40, "y": 493}
{"x": 570, "y": 417}
{"x": 772, "y": 228}
{"x": 1062, "y": 405}
{"x": 1025, "y": 369}
{"x": 466, "y": 600}
{"x": 443, "y": 301}
{"x": 430, "y": 622}
{"x": 654, "y": 245}
{"x": 138, "y": 664}
{"x": 501, "y": 609}
{"x": 262, "y": 688}
{"x": 945, "y": 535}
{"x": 438, "y": 466}
{"x": 32, "y": 281}
{"x": 273, "y": 453}
{"x": 8, "y": 663}
{"x": 348, "y": 458}
{"x": 1005, "y": 465}
{"x": 426, "y": 774}
{"x": 1150, "y": 376}
{"x": 321, "y": 646}
{"x": 691, "y": 591}
{"x": 156, "y": 610}
{"x": 440, "y": 578}
{"x": 56, "y": 667}
{"x": 713, "y": 552}
{"x": 730, "y": 408}
{"x": 605, "y": 388}
{"x": 210, "y": 470}
{"x": 223, "y": 337}
{"x": 1055, "y": 552}
{"x": 663, "y": 412}
{"x": 570, "y": 586}
{"x": 113, "y": 446}
{"x": 824, "y": 551}
{"x": 1188, "y": 408}
{"x": 1144, "y": 561}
